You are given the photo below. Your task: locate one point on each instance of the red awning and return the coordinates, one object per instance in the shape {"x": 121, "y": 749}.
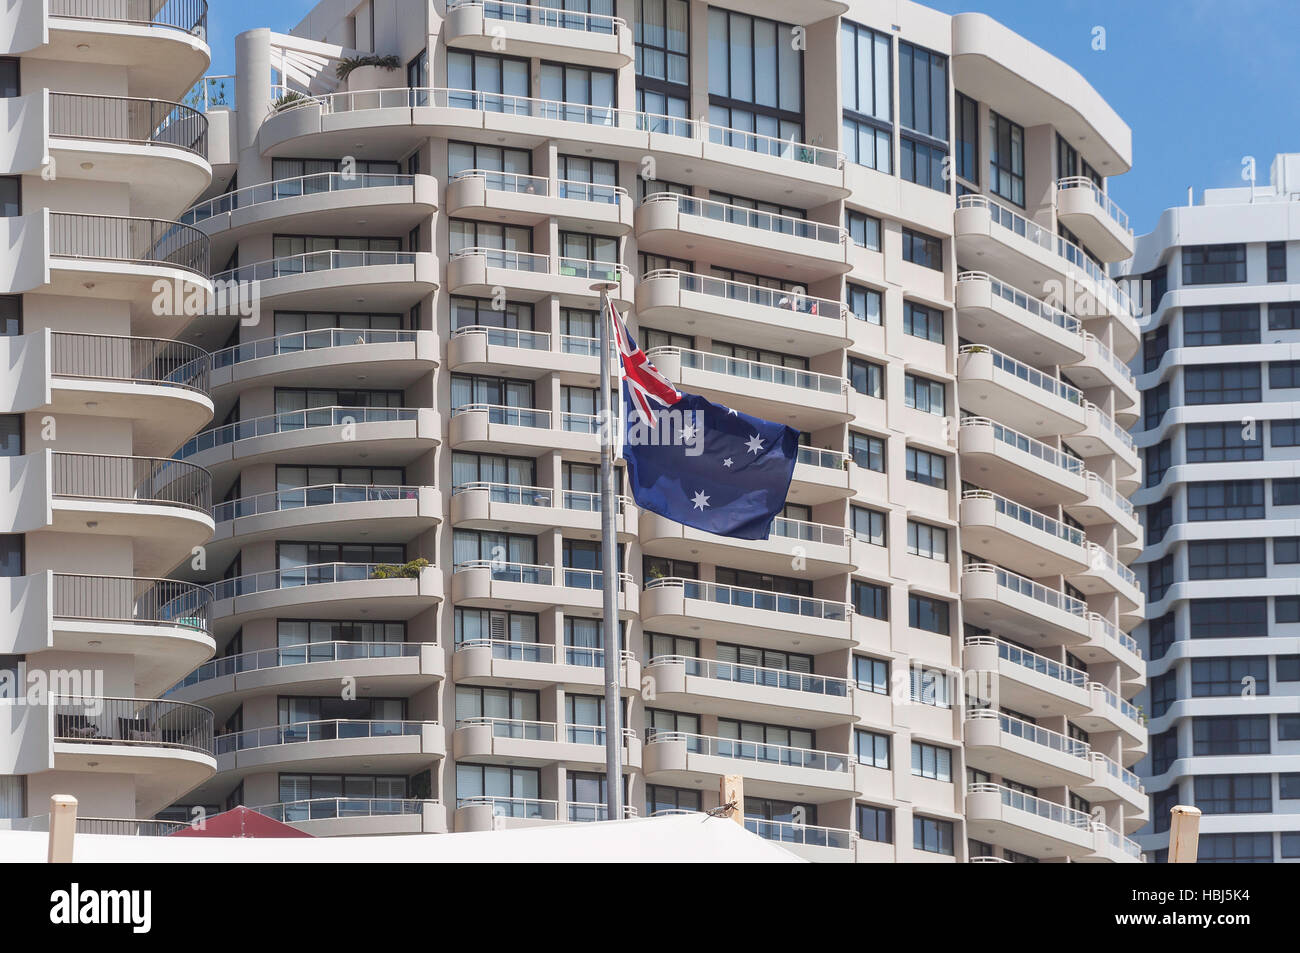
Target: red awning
{"x": 241, "y": 822}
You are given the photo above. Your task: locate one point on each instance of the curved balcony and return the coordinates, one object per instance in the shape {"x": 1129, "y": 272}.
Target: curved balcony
{"x": 502, "y": 505}
{"x": 1105, "y": 575}
{"x": 516, "y": 741}
{"x": 762, "y": 317}
{"x": 352, "y": 816}
{"x": 161, "y": 505}
{"x": 1104, "y": 437}
{"x": 1086, "y": 210}
{"x": 531, "y": 277}
{"x": 753, "y": 616}
{"x": 539, "y": 665}
{"x": 821, "y": 550}
{"x": 1112, "y": 781}
{"x": 751, "y": 692}
{"x": 1108, "y": 643}
{"x": 1004, "y": 532}
{"x": 1001, "y": 744}
{"x": 808, "y": 400}
{"x": 820, "y": 845}
{"x": 998, "y": 599}
{"x": 162, "y": 45}
{"x": 1027, "y": 824}
{"x": 389, "y": 669}
{"x": 1112, "y": 712}
{"x": 992, "y": 384}
{"x": 391, "y": 436}
{"x": 1014, "y": 321}
{"x": 157, "y": 149}
{"x": 325, "y": 591}
{"x": 488, "y": 583}
{"x": 998, "y": 456}
{"x": 384, "y": 747}
{"x": 1102, "y": 368}
{"x": 323, "y": 203}
{"x": 680, "y": 759}
{"x": 166, "y": 746}
{"x": 820, "y": 476}
{"x": 528, "y": 354}
{"x": 1105, "y": 506}
{"x": 329, "y": 357}
{"x": 590, "y": 39}
{"x": 161, "y": 624}
{"x": 1027, "y": 681}
{"x": 525, "y": 430}
{"x": 1113, "y": 847}
{"x": 504, "y": 813}
{"x": 384, "y": 281}
{"x": 740, "y": 161}
{"x": 682, "y": 226}
{"x": 491, "y": 195}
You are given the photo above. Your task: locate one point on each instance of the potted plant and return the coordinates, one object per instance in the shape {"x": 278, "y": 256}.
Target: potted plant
{"x": 410, "y": 570}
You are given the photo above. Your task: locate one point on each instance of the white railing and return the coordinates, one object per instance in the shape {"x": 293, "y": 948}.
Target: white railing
{"x": 1035, "y": 448}
{"x": 762, "y": 677}
{"x": 808, "y": 835}
{"x": 296, "y": 187}
{"x": 542, "y": 16}
{"x": 1105, "y": 489}
{"x": 510, "y": 416}
{"x": 1030, "y": 517}
{"x": 291, "y": 420}
{"x": 1097, "y": 555}
{"x": 763, "y": 599}
{"x": 1119, "y": 772}
{"x": 1030, "y": 375}
{"x": 508, "y": 259}
{"x": 1031, "y": 660}
{"x": 519, "y": 495}
{"x": 590, "y": 192}
{"x": 528, "y": 808}
{"x": 331, "y": 808}
{"x": 826, "y": 459}
{"x": 1112, "y": 700}
{"x": 539, "y": 575}
{"x": 1108, "y": 424}
{"x": 303, "y": 654}
{"x": 1112, "y": 633}
{"x": 1037, "y": 806}
{"x": 542, "y": 652}
{"x": 1104, "y": 201}
{"x": 756, "y": 295}
{"x": 507, "y": 337}
{"x": 298, "y": 341}
{"x": 1027, "y": 587}
{"x": 823, "y": 533}
{"x": 1026, "y": 302}
{"x": 336, "y": 729}
{"x": 750, "y": 218}
{"x": 756, "y": 751}
{"x": 754, "y": 370}
{"x": 313, "y": 261}
{"x": 523, "y": 730}
{"x": 583, "y": 811}
{"x": 323, "y": 494}
{"x": 1033, "y": 733}
{"x": 498, "y": 181}
{"x": 1109, "y": 357}
{"x": 311, "y": 575}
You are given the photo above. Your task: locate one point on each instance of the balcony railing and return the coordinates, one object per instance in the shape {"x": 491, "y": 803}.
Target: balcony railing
{"x": 755, "y": 295}
{"x": 1110, "y": 357}
{"x": 755, "y": 751}
{"x": 515, "y": 182}
{"x": 131, "y": 600}
{"x": 299, "y": 341}
{"x": 1102, "y": 488}
{"x": 540, "y": 575}
{"x": 508, "y": 337}
{"x": 112, "y": 357}
{"x": 553, "y": 110}
{"x": 313, "y": 261}
{"x": 325, "y": 494}
{"x": 1048, "y": 810}
{"x": 1030, "y": 375}
{"x": 1104, "y": 201}
{"x": 304, "y": 654}
{"x": 191, "y": 16}
{"x": 1119, "y": 772}
{"x": 750, "y": 218}
{"x": 754, "y": 370}
{"x": 292, "y": 420}
{"x": 1030, "y": 517}
{"x": 590, "y": 192}
{"x": 507, "y": 258}
{"x": 133, "y": 722}
{"x": 1026, "y": 302}
{"x": 759, "y": 676}
{"x": 1034, "y": 733}
{"x": 1099, "y": 557}
{"x": 1112, "y": 633}
{"x": 311, "y": 575}
{"x": 528, "y": 808}
{"x": 1107, "y": 424}
{"x": 825, "y": 459}
{"x": 581, "y": 812}
{"x": 542, "y": 16}
{"x": 522, "y": 729}
{"x": 780, "y": 602}
{"x": 518, "y": 495}
{"x": 330, "y": 808}
{"x": 1026, "y": 444}
{"x": 138, "y": 241}
{"x": 163, "y": 482}
{"x": 1027, "y": 587}
{"x": 542, "y": 652}
{"x": 509, "y": 416}
{"x": 300, "y": 185}
{"x": 1113, "y": 701}
{"x": 808, "y": 835}
{"x": 336, "y": 729}
{"x": 1119, "y": 842}
{"x": 1031, "y": 660}
{"x": 153, "y": 122}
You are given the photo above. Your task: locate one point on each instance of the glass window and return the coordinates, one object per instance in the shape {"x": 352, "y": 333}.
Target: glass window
{"x": 1237, "y": 676}
{"x": 872, "y": 748}
{"x": 1276, "y": 255}
{"x": 1230, "y": 734}
{"x": 755, "y": 78}
{"x": 1284, "y": 316}
{"x": 1006, "y": 159}
{"x": 11, "y": 435}
{"x": 928, "y": 468}
{"x": 1254, "y": 848}
{"x": 928, "y": 614}
{"x": 866, "y": 377}
{"x": 922, "y": 322}
{"x": 923, "y": 250}
{"x": 11, "y": 316}
{"x": 864, "y": 230}
{"x": 1226, "y": 558}
{"x": 1283, "y": 375}
{"x": 1221, "y": 442}
{"x": 931, "y": 761}
{"x": 923, "y": 116}
{"x": 864, "y": 303}
{"x": 1160, "y": 576}
{"x": 11, "y": 196}
{"x": 871, "y": 600}
{"x": 866, "y": 451}
{"x": 1221, "y": 324}
{"x": 1225, "y": 500}
{"x": 932, "y": 835}
{"x": 11, "y": 555}
{"x": 1228, "y": 618}
{"x": 930, "y": 542}
{"x": 923, "y": 394}
{"x": 967, "y": 139}
{"x": 875, "y": 823}
{"x": 869, "y": 525}
{"x": 867, "y": 96}
{"x": 1286, "y": 492}
{"x": 872, "y": 675}
{"x": 1214, "y": 264}
{"x": 1221, "y": 383}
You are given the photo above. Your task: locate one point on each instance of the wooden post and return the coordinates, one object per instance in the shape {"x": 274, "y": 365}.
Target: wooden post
{"x": 732, "y": 791}
{"x": 1184, "y": 833}
{"x": 63, "y": 828}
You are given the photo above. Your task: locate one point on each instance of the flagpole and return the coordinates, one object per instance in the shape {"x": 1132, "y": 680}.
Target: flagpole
{"x": 609, "y": 570}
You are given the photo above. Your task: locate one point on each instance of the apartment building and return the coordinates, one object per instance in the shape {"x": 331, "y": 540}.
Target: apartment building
{"x": 886, "y": 227}
{"x": 1219, "y": 502}
{"x": 98, "y": 160}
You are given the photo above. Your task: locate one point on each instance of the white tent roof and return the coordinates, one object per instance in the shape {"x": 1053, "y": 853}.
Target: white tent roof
{"x": 671, "y": 839}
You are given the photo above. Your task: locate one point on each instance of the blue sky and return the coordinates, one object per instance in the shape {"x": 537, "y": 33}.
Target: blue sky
{"x": 1202, "y": 83}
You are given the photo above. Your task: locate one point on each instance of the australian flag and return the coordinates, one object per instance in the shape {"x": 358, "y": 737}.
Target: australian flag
{"x": 697, "y": 462}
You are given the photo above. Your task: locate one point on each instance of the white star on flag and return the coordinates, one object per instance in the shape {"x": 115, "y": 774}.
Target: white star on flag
{"x": 700, "y": 500}
{"x": 732, "y": 411}
{"x": 754, "y": 444}
{"x": 688, "y": 432}
{"x": 727, "y": 462}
